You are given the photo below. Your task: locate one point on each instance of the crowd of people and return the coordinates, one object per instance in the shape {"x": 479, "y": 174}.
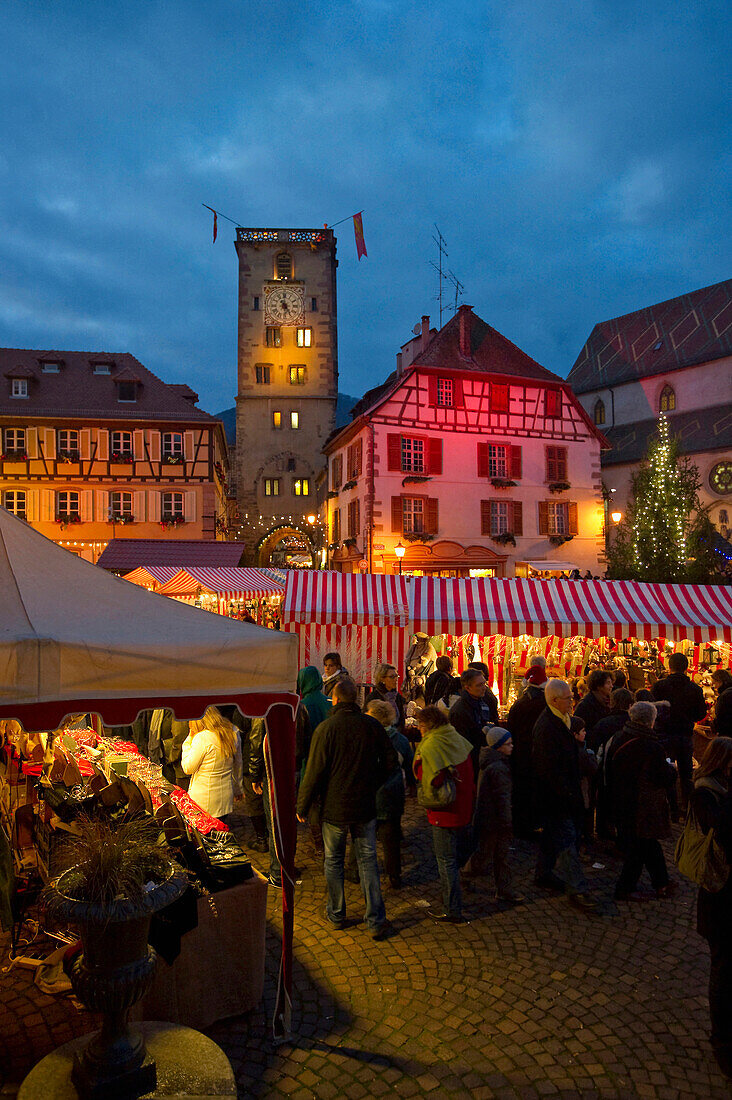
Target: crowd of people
{"x": 569, "y": 767}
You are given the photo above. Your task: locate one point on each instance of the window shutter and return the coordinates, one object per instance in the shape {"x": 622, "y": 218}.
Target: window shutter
{"x": 434, "y": 456}
{"x": 138, "y": 506}
{"x": 485, "y": 517}
{"x": 572, "y": 519}
{"x": 543, "y": 517}
{"x": 102, "y": 444}
{"x": 154, "y": 445}
{"x": 189, "y": 440}
{"x": 101, "y": 505}
{"x": 396, "y": 516}
{"x": 48, "y": 506}
{"x": 359, "y": 457}
{"x": 499, "y": 398}
{"x": 458, "y": 398}
{"x": 189, "y": 502}
{"x": 551, "y": 465}
{"x": 31, "y": 505}
{"x": 482, "y": 460}
{"x": 86, "y": 505}
{"x": 432, "y": 390}
{"x": 31, "y": 443}
{"x": 518, "y": 518}
{"x": 515, "y": 462}
{"x": 154, "y": 506}
{"x": 138, "y": 445}
{"x": 561, "y": 463}
{"x": 49, "y": 443}
{"x": 430, "y": 515}
{"x": 394, "y": 452}
{"x": 85, "y": 444}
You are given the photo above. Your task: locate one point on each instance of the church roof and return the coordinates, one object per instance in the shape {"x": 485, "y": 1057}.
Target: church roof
{"x": 681, "y": 332}
{"x": 698, "y": 430}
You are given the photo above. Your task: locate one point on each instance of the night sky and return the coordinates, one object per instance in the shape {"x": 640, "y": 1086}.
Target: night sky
{"x": 575, "y": 156}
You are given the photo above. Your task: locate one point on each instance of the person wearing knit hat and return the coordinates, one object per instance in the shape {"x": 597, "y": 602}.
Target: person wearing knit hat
{"x": 536, "y": 674}
{"x": 492, "y": 825}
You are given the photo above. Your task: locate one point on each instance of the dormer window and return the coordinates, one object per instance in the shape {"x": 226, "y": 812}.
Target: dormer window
{"x": 50, "y": 366}
{"x": 127, "y": 391}
{"x": 102, "y": 368}
{"x": 283, "y": 266}
{"x": 668, "y": 399}
{"x": 599, "y": 412}
{"x": 18, "y": 387}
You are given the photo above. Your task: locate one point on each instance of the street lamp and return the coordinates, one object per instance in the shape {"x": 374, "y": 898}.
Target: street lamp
{"x": 400, "y": 551}
{"x": 616, "y": 516}
{"x": 311, "y": 519}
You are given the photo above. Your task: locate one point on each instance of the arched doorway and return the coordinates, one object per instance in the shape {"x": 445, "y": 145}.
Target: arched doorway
{"x": 286, "y": 547}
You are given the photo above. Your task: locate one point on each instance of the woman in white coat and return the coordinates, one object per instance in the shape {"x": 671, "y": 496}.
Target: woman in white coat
{"x": 212, "y": 757}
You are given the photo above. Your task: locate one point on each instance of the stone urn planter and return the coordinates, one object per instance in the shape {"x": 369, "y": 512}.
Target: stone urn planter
{"x": 115, "y": 966}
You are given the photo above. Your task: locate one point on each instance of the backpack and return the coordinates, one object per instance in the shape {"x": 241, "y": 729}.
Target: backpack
{"x": 699, "y": 855}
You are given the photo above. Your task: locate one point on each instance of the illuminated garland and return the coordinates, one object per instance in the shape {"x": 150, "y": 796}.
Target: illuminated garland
{"x": 661, "y": 512}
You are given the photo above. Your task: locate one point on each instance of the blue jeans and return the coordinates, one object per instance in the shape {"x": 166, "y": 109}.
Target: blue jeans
{"x": 452, "y": 849}
{"x": 558, "y": 851}
{"x": 364, "y": 844}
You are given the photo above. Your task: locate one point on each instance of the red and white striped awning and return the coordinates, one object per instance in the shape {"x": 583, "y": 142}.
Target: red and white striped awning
{"x": 230, "y": 582}
{"x": 152, "y": 576}
{"x": 591, "y": 609}
{"x": 345, "y": 599}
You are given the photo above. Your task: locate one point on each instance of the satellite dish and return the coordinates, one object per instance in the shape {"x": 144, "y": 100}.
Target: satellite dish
{"x": 417, "y": 329}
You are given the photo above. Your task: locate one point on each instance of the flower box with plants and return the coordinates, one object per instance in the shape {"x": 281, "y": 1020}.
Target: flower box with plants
{"x": 350, "y": 484}
{"x": 68, "y": 456}
{"x": 123, "y": 519}
{"x": 14, "y": 456}
{"x": 506, "y": 538}
{"x": 333, "y": 493}
{"x": 417, "y": 536}
{"x": 415, "y": 479}
{"x": 172, "y": 459}
{"x": 121, "y": 456}
{"x": 68, "y": 517}
{"x": 559, "y": 540}
{"x": 172, "y": 521}
{"x": 502, "y": 483}
{"x": 558, "y": 486}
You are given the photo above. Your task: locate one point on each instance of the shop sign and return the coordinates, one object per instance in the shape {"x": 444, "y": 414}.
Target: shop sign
{"x": 379, "y": 546}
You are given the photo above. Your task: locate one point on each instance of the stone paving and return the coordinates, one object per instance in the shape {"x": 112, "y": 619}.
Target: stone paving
{"x": 532, "y": 1001}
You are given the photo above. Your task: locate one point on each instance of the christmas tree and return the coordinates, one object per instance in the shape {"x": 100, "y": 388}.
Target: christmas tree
{"x": 666, "y": 536}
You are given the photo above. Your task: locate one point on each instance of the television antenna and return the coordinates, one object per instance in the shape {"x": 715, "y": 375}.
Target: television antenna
{"x": 445, "y": 276}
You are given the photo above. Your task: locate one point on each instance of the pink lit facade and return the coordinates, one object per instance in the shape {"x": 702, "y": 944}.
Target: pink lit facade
{"x": 469, "y": 468}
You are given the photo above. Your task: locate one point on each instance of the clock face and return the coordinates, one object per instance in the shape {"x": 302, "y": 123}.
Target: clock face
{"x": 284, "y": 305}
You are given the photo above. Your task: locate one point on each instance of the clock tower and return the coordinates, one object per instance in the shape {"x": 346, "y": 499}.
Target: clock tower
{"x": 287, "y": 385}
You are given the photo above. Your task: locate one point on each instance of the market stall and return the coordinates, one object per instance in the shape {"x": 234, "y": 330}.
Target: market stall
{"x": 151, "y": 576}
{"x": 234, "y": 591}
{"x": 74, "y": 639}
{"x": 364, "y": 617}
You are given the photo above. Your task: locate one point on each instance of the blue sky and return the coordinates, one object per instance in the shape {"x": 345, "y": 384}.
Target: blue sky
{"x": 576, "y": 158}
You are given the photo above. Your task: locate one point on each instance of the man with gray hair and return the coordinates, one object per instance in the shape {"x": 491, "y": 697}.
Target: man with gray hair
{"x": 560, "y": 805}
{"x": 639, "y": 780}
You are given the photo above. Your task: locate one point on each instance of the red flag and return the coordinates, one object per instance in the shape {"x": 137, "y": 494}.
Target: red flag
{"x": 358, "y": 230}
{"x": 215, "y": 230}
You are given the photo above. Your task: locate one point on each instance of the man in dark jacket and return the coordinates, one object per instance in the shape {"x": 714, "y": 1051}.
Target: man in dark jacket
{"x": 687, "y": 708}
{"x": 350, "y": 758}
{"x": 555, "y": 761}
{"x": 439, "y": 681}
{"x": 722, "y": 684}
{"x": 596, "y": 704}
{"x": 476, "y": 708}
{"x": 521, "y": 721}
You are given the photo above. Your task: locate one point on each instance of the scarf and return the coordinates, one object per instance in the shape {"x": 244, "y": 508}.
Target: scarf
{"x": 562, "y": 717}
{"x": 441, "y": 748}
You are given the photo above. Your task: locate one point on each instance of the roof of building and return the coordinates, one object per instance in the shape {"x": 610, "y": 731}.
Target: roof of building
{"x": 77, "y": 391}
{"x": 699, "y": 430}
{"x": 125, "y": 555}
{"x": 490, "y": 353}
{"x": 681, "y": 332}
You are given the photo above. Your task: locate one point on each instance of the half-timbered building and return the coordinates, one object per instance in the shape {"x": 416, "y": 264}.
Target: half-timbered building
{"x": 95, "y": 447}
{"x": 472, "y": 457}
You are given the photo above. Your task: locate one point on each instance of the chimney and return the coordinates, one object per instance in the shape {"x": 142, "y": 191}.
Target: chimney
{"x": 399, "y": 364}
{"x": 425, "y": 331}
{"x": 465, "y": 315}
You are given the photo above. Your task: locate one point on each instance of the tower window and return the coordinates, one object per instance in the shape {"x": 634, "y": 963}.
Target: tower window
{"x": 273, "y": 337}
{"x": 313, "y": 305}
{"x": 297, "y": 376}
{"x": 283, "y": 265}
{"x": 668, "y": 399}
{"x": 262, "y": 374}
{"x": 277, "y": 419}
{"x": 301, "y": 486}
{"x": 271, "y": 486}
{"x": 304, "y": 337}
{"x": 255, "y": 303}
{"x": 599, "y": 412}
{"x": 294, "y": 419}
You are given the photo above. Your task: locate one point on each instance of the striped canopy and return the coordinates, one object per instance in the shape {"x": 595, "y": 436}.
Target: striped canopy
{"x": 591, "y": 609}
{"x": 231, "y": 582}
{"x": 345, "y": 599}
{"x": 151, "y": 576}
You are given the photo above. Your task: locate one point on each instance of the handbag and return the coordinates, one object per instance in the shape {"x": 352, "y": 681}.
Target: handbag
{"x": 439, "y": 798}
{"x": 700, "y": 857}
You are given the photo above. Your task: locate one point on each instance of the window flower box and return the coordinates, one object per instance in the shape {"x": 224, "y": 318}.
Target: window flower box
{"x": 506, "y": 538}
{"x": 558, "y": 486}
{"x": 121, "y": 456}
{"x": 502, "y": 483}
{"x": 415, "y": 479}
{"x": 350, "y": 484}
{"x": 332, "y": 494}
{"x": 414, "y": 536}
{"x": 123, "y": 520}
{"x": 172, "y": 460}
{"x": 14, "y": 456}
{"x": 65, "y": 518}
{"x": 172, "y": 521}
{"x": 68, "y": 456}
{"x": 559, "y": 540}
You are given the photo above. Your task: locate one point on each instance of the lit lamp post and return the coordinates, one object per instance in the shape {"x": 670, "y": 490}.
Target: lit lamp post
{"x": 616, "y": 516}
{"x": 400, "y": 551}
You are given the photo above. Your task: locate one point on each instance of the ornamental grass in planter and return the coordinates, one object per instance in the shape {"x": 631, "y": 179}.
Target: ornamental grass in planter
{"x": 120, "y": 876}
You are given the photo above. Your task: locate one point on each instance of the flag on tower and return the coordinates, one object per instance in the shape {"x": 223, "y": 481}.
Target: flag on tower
{"x": 358, "y": 230}
{"x": 214, "y": 229}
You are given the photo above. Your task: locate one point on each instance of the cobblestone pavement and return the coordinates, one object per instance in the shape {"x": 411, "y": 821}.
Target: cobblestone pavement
{"x": 532, "y": 1001}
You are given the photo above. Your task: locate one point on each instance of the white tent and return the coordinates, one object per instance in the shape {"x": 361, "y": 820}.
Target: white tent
{"x": 70, "y": 631}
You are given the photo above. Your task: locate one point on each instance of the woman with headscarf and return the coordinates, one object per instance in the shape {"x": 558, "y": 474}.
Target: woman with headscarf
{"x": 443, "y": 753}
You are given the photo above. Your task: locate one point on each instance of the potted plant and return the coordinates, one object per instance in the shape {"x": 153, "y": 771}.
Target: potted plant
{"x": 559, "y": 486}
{"x": 121, "y": 875}
{"x": 502, "y": 483}
{"x": 506, "y": 538}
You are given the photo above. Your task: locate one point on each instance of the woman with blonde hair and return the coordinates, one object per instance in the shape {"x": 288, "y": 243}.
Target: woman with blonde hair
{"x": 212, "y": 757}
{"x": 386, "y": 690}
